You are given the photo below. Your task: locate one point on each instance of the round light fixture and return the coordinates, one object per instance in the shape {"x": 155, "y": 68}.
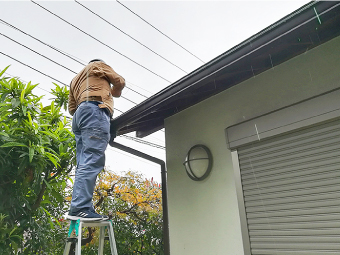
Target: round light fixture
{"x": 198, "y": 162}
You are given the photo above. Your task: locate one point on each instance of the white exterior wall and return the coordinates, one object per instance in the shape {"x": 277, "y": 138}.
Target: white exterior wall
{"x": 204, "y": 216}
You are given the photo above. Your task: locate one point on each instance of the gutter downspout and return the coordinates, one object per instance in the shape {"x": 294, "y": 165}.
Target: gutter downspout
{"x": 164, "y": 189}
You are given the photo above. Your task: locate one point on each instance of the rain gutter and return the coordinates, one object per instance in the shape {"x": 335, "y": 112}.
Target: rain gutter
{"x": 137, "y": 153}
{"x": 274, "y": 32}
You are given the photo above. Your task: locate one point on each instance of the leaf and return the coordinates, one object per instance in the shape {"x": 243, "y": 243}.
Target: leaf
{"x": 30, "y": 153}
{"x": 48, "y": 185}
{"x": 3, "y": 71}
{"x": 13, "y": 144}
{"x": 57, "y": 196}
{"x": 29, "y": 117}
{"x": 24, "y": 109}
{"x": 15, "y": 102}
{"x": 30, "y": 88}
{"x": 45, "y": 202}
{"x": 22, "y": 96}
{"x": 4, "y": 134}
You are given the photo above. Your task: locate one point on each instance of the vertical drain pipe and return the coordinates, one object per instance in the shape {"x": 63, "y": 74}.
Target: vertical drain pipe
{"x": 164, "y": 189}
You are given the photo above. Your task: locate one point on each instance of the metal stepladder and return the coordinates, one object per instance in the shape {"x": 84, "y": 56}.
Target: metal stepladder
{"x": 77, "y": 225}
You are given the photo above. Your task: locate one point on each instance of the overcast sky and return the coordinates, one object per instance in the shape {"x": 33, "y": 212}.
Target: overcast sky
{"x": 204, "y": 28}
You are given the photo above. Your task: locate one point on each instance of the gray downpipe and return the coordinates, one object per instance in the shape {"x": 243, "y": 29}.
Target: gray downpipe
{"x": 164, "y": 189}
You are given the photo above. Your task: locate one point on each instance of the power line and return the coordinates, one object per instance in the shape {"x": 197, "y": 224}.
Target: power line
{"x": 125, "y": 136}
{"x": 130, "y": 36}
{"x": 43, "y": 73}
{"x": 128, "y": 137}
{"x": 129, "y": 155}
{"x": 160, "y": 31}
{"x": 54, "y": 48}
{"x": 54, "y": 62}
{"x": 38, "y": 53}
{"x": 27, "y": 82}
{"x": 64, "y": 53}
{"x": 33, "y": 69}
{"x": 101, "y": 42}
{"x": 144, "y": 142}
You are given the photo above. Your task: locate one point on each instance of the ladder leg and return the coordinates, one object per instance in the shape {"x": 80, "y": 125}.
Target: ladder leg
{"x": 101, "y": 240}
{"x": 78, "y": 244}
{"x": 112, "y": 240}
{"x": 67, "y": 248}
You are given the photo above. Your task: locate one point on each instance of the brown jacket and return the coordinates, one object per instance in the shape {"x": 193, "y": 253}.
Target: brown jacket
{"x": 93, "y": 84}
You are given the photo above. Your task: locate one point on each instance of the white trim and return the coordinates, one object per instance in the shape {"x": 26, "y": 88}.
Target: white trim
{"x": 300, "y": 115}
{"x": 240, "y": 200}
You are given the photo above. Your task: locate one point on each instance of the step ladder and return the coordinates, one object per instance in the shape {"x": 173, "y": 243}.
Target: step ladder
{"x": 76, "y": 228}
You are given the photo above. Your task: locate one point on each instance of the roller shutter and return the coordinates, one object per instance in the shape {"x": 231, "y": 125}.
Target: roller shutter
{"x": 291, "y": 189}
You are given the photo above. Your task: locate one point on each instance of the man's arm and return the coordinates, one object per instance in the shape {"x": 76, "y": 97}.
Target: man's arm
{"x": 116, "y": 80}
{"x": 72, "y": 105}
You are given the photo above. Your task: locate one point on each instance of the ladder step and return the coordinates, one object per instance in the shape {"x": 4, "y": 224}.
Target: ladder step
{"x": 71, "y": 240}
{"x": 76, "y": 229}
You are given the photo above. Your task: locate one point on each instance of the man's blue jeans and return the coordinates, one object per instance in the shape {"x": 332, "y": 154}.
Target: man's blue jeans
{"x": 91, "y": 126}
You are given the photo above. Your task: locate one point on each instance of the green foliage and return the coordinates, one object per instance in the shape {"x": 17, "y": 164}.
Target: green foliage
{"x": 37, "y": 151}
{"x": 61, "y": 95}
{"x": 135, "y": 204}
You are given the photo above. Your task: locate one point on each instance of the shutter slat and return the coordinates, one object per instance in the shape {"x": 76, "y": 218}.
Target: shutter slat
{"x": 296, "y": 239}
{"x": 296, "y": 212}
{"x": 308, "y": 185}
{"x": 294, "y": 199}
{"x": 296, "y": 218}
{"x": 288, "y": 252}
{"x": 260, "y": 184}
{"x": 296, "y": 232}
{"x": 291, "y": 193}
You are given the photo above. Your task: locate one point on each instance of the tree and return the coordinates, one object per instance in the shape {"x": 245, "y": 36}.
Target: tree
{"x": 37, "y": 151}
{"x": 135, "y": 207}
{"x": 37, "y": 155}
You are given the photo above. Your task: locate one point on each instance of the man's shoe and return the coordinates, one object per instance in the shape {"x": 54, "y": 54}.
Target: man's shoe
{"x": 105, "y": 217}
{"x": 86, "y": 215}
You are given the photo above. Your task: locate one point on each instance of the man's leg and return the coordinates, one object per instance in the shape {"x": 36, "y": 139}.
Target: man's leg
{"x": 93, "y": 124}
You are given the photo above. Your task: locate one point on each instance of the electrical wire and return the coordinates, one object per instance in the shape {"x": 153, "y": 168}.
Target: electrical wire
{"x": 38, "y": 53}
{"x": 101, "y": 42}
{"x": 43, "y": 73}
{"x": 125, "y": 136}
{"x": 55, "y": 62}
{"x": 66, "y": 54}
{"x": 144, "y": 142}
{"x": 27, "y": 82}
{"x": 33, "y": 69}
{"x": 130, "y": 37}
{"x": 54, "y": 48}
{"x": 160, "y": 31}
{"x": 128, "y": 155}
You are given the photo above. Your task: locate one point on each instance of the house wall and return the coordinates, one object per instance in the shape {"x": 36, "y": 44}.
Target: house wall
{"x": 204, "y": 216}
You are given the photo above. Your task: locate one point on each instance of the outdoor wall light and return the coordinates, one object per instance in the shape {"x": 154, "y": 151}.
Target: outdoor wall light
{"x": 198, "y": 162}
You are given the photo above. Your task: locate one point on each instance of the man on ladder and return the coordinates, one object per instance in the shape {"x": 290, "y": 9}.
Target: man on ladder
{"x": 91, "y": 104}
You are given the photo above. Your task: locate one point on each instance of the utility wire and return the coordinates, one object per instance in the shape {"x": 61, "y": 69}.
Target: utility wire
{"x": 33, "y": 69}
{"x": 130, "y": 36}
{"x": 38, "y": 53}
{"x": 54, "y": 62}
{"x": 125, "y": 136}
{"x": 144, "y": 142}
{"x": 27, "y": 82}
{"x": 101, "y": 42}
{"x": 54, "y": 48}
{"x": 160, "y": 31}
{"x": 65, "y": 54}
